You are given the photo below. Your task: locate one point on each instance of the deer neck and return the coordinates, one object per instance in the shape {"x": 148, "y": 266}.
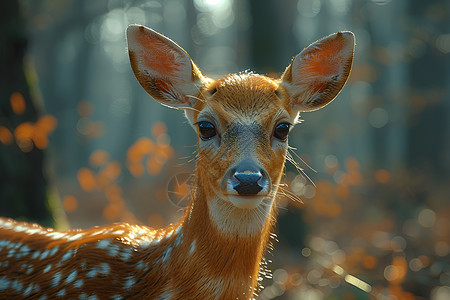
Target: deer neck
{"x": 226, "y": 261}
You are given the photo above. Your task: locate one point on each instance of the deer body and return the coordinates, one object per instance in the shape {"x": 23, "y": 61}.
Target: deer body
{"x": 216, "y": 249}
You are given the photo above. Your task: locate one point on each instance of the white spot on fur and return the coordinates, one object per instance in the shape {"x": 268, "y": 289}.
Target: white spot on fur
{"x": 105, "y": 268}
{"x": 4, "y": 283}
{"x": 47, "y": 268}
{"x": 44, "y": 254}
{"x": 131, "y": 281}
{"x": 92, "y": 273}
{"x": 103, "y": 244}
{"x": 43, "y": 297}
{"x": 17, "y": 285}
{"x": 72, "y": 276}
{"x": 61, "y": 293}
{"x": 79, "y": 283}
{"x": 75, "y": 237}
{"x": 56, "y": 279}
{"x": 56, "y": 235}
{"x": 28, "y": 290}
{"x": 166, "y": 295}
{"x": 34, "y": 230}
{"x": 113, "y": 250}
{"x": 178, "y": 240}
{"x": 19, "y": 228}
{"x": 29, "y": 269}
{"x": 23, "y": 251}
{"x": 166, "y": 254}
{"x": 7, "y": 225}
{"x": 11, "y": 253}
{"x": 192, "y": 248}
{"x": 35, "y": 254}
{"x": 126, "y": 254}
{"x": 67, "y": 255}
{"x": 53, "y": 251}
{"x": 4, "y": 243}
{"x": 140, "y": 265}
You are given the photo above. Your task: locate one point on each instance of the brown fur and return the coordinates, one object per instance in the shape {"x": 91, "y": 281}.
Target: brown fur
{"x": 215, "y": 251}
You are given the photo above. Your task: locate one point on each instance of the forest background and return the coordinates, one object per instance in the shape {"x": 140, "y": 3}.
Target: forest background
{"x": 82, "y": 144}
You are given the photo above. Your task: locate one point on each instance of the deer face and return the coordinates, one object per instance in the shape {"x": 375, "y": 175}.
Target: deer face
{"x": 242, "y": 121}
{"x": 242, "y": 126}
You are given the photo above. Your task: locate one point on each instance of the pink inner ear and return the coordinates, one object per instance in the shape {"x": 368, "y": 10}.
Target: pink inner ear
{"x": 160, "y": 57}
{"x": 324, "y": 59}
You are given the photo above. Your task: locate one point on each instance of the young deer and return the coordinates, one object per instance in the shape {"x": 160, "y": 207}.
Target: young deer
{"x": 215, "y": 250}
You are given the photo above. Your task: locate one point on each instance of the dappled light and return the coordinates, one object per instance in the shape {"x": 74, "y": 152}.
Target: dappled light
{"x": 364, "y": 209}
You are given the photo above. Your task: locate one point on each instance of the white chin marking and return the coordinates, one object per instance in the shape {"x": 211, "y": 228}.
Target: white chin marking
{"x": 241, "y": 220}
{"x": 246, "y": 202}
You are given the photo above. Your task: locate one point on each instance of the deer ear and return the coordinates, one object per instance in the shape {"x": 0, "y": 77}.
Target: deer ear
{"x": 163, "y": 68}
{"x": 318, "y": 73}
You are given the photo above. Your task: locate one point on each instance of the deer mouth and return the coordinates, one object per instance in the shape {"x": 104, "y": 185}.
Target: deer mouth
{"x": 246, "y": 202}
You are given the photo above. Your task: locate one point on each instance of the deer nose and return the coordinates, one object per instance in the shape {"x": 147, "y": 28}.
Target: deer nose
{"x": 248, "y": 179}
{"x": 248, "y": 183}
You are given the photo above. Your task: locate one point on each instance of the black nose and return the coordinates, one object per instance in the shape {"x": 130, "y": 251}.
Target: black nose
{"x": 248, "y": 183}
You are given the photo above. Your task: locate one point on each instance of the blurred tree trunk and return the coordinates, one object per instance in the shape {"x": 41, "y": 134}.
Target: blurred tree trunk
{"x": 428, "y": 134}
{"x": 23, "y": 188}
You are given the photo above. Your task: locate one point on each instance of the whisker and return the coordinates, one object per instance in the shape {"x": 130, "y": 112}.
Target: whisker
{"x": 299, "y": 169}
{"x": 303, "y": 161}
{"x": 191, "y": 108}
{"x": 196, "y": 98}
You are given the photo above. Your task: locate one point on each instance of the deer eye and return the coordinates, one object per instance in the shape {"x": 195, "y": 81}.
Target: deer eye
{"x": 281, "y": 131}
{"x": 206, "y": 130}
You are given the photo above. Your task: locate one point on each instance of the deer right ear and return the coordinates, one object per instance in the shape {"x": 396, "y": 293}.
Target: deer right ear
{"x": 318, "y": 73}
{"x": 163, "y": 68}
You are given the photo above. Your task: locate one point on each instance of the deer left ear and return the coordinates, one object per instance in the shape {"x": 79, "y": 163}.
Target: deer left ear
{"x": 318, "y": 73}
{"x": 163, "y": 68}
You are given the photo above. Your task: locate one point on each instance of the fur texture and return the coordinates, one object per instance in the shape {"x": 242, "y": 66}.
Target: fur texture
{"x": 216, "y": 250}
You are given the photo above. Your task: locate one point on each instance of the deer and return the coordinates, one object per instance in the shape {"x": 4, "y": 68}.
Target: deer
{"x": 216, "y": 249}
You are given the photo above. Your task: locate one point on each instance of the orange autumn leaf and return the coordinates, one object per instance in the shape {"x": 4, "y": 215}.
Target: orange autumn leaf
{"x": 136, "y": 169}
{"x": 70, "y": 203}
{"x": 40, "y": 140}
{"x": 159, "y": 128}
{"x": 24, "y": 131}
{"x": 369, "y": 262}
{"x": 352, "y": 164}
{"x": 110, "y": 173}
{"x": 154, "y": 165}
{"x": 46, "y": 124}
{"x": 6, "y": 136}
{"x": 17, "y": 102}
{"x": 86, "y": 179}
{"x": 98, "y": 158}
{"x": 143, "y": 146}
{"x": 397, "y": 271}
{"x": 164, "y": 151}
